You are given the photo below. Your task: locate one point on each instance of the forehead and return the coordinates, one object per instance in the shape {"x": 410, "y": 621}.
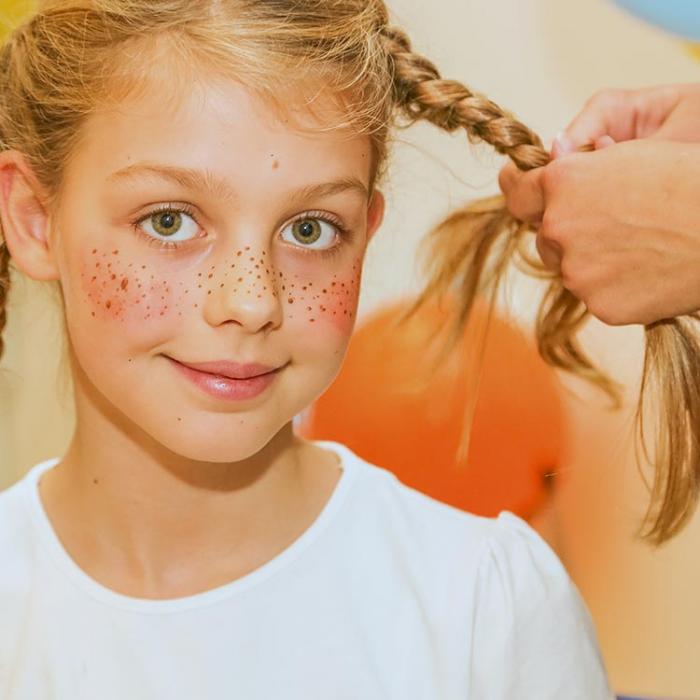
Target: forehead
{"x": 225, "y": 128}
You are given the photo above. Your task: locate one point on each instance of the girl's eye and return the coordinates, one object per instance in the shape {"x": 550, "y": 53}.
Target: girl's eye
{"x": 312, "y": 233}
{"x": 170, "y": 225}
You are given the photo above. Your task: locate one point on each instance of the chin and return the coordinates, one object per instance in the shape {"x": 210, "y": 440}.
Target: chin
{"x": 236, "y": 441}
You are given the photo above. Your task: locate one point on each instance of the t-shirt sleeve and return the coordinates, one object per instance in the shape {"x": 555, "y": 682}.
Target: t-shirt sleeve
{"x": 532, "y": 635}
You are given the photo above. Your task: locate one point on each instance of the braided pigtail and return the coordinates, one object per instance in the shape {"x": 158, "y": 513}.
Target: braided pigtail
{"x": 469, "y": 253}
{"x": 4, "y": 289}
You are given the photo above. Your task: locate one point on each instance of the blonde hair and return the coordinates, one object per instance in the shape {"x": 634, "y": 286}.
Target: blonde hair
{"x": 72, "y": 56}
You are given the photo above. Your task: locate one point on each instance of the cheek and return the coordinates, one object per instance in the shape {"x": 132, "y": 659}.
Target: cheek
{"x": 323, "y": 298}
{"x": 118, "y": 290}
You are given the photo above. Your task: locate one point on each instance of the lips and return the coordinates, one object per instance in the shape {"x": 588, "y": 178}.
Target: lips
{"x": 228, "y": 381}
{"x": 229, "y": 370}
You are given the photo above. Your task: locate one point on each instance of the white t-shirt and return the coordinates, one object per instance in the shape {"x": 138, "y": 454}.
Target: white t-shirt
{"x": 389, "y": 594}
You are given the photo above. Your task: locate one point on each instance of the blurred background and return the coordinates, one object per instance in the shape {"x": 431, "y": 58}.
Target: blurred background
{"x": 543, "y": 445}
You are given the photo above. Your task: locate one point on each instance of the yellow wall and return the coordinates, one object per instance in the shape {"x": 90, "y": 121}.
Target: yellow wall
{"x": 542, "y": 59}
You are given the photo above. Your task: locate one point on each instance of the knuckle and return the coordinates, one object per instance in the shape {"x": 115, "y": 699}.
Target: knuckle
{"x": 606, "y": 97}
{"x": 555, "y": 174}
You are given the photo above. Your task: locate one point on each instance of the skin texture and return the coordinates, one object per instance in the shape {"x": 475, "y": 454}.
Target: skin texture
{"x": 620, "y": 224}
{"x": 165, "y": 490}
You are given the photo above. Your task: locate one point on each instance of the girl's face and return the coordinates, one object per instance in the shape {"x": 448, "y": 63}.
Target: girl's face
{"x": 210, "y": 260}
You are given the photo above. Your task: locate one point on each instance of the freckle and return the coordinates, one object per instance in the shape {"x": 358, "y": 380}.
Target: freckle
{"x": 290, "y": 300}
{"x": 312, "y": 320}
{"x": 93, "y": 313}
{"x": 247, "y": 247}
{"x": 196, "y": 306}
{"x": 303, "y": 289}
{"x": 199, "y": 286}
{"x": 93, "y": 279}
{"x": 275, "y": 164}
{"x": 131, "y": 264}
{"x": 332, "y": 284}
{"x": 187, "y": 291}
{"x": 238, "y": 254}
{"x": 259, "y": 296}
{"x": 325, "y": 291}
{"x": 221, "y": 285}
{"x": 115, "y": 252}
{"x": 143, "y": 296}
{"x": 323, "y": 308}
{"x": 94, "y": 250}
{"x": 240, "y": 279}
{"x": 251, "y": 259}
{"x": 97, "y": 264}
{"x": 308, "y": 308}
{"x": 210, "y": 276}
{"x": 125, "y": 283}
{"x": 180, "y": 419}
{"x": 209, "y": 292}
{"x": 162, "y": 313}
{"x": 95, "y": 481}
{"x": 108, "y": 304}
{"x": 143, "y": 267}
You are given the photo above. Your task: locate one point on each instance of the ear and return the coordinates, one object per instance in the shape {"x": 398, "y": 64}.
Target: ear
{"x": 375, "y": 213}
{"x": 24, "y": 217}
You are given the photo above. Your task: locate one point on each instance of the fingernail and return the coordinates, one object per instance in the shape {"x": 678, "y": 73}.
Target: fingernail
{"x": 562, "y": 145}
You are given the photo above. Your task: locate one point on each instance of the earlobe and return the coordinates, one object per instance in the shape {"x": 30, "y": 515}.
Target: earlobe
{"x": 25, "y": 220}
{"x": 375, "y": 213}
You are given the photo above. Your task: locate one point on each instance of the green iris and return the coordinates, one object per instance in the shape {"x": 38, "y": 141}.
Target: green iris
{"x": 306, "y": 231}
{"x": 167, "y": 223}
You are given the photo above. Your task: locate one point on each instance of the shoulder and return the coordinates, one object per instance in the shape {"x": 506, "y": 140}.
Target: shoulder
{"x": 492, "y": 583}
{"x": 529, "y": 611}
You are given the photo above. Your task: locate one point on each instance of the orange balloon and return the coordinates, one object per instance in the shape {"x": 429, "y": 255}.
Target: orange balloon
{"x": 396, "y": 408}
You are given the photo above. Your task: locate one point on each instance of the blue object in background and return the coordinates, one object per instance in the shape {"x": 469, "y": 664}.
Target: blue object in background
{"x": 681, "y": 17}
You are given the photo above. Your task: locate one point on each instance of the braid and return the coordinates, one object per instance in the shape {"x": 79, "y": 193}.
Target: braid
{"x": 420, "y": 93}
{"x": 4, "y": 289}
{"x": 470, "y": 251}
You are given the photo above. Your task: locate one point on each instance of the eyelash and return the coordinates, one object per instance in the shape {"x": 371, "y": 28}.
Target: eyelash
{"x": 344, "y": 234}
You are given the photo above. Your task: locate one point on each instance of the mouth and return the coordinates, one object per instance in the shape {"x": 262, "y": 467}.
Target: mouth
{"x": 229, "y": 381}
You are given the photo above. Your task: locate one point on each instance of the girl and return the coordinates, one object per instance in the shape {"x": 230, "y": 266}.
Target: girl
{"x": 200, "y": 178}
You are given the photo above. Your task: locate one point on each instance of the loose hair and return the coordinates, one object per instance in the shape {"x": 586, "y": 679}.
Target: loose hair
{"x": 74, "y": 56}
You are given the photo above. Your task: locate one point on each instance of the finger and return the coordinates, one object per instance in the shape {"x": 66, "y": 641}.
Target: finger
{"x": 603, "y": 142}
{"x": 608, "y": 113}
{"x": 550, "y": 253}
{"x": 524, "y": 192}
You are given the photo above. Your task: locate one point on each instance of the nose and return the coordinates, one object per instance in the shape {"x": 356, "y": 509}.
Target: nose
{"x": 245, "y": 293}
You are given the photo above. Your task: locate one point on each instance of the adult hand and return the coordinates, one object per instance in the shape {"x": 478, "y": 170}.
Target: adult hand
{"x": 622, "y": 226}
{"x": 668, "y": 113}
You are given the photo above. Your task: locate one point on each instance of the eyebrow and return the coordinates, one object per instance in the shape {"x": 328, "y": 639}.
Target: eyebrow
{"x": 206, "y": 180}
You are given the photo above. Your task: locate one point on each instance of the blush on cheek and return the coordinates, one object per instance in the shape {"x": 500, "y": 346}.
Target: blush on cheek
{"x": 119, "y": 290}
{"x": 326, "y": 301}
